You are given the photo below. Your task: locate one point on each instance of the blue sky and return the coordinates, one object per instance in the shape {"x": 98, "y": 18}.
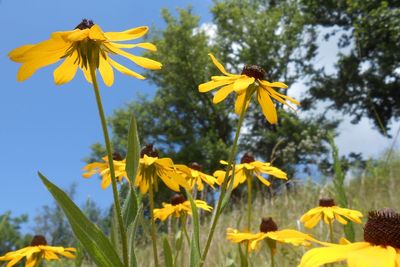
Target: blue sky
{"x": 50, "y": 128}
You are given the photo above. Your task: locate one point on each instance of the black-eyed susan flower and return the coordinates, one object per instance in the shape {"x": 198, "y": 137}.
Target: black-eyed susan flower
{"x": 240, "y": 84}
{"x": 86, "y": 45}
{"x": 37, "y": 251}
{"x": 381, "y": 246}
{"x": 103, "y": 169}
{"x": 152, "y": 167}
{"x": 194, "y": 176}
{"x": 269, "y": 230}
{"x": 247, "y": 169}
{"x": 179, "y": 206}
{"x": 329, "y": 212}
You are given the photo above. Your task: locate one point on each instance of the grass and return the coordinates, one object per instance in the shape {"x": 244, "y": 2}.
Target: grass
{"x": 374, "y": 187}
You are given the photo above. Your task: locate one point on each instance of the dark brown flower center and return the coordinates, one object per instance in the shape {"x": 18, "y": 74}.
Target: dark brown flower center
{"x": 383, "y": 228}
{"x": 85, "y": 24}
{"x": 268, "y": 225}
{"x": 39, "y": 240}
{"x": 254, "y": 71}
{"x": 149, "y": 151}
{"x": 177, "y": 199}
{"x": 326, "y": 202}
{"x": 117, "y": 156}
{"x": 195, "y": 166}
{"x": 247, "y": 158}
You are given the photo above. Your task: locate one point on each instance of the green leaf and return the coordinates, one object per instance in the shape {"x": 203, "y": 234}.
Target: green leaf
{"x": 195, "y": 242}
{"x": 91, "y": 237}
{"x": 130, "y": 206}
{"x": 168, "y": 261}
{"x": 131, "y": 237}
{"x": 133, "y": 153}
{"x": 114, "y": 233}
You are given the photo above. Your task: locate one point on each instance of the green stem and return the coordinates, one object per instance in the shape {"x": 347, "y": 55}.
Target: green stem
{"x": 111, "y": 165}
{"x": 217, "y": 210}
{"x": 183, "y": 225}
{"x": 271, "y": 251}
{"x": 249, "y": 197}
{"x": 331, "y": 231}
{"x": 153, "y": 226}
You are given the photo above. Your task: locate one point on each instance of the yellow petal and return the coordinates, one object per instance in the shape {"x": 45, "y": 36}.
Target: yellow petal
{"x": 17, "y": 53}
{"x": 310, "y": 223}
{"x": 86, "y": 73}
{"x": 124, "y": 69}
{"x": 273, "y": 84}
{"x": 95, "y": 33}
{"x": 263, "y": 180}
{"x": 148, "y": 46}
{"x": 208, "y": 86}
{"x": 128, "y": 34}
{"x": 141, "y": 61}
{"x": 222, "y": 93}
{"x": 106, "y": 71}
{"x": 267, "y": 106}
{"x": 242, "y": 83}
{"x": 78, "y": 35}
{"x": 219, "y": 65}
{"x": 240, "y": 101}
{"x": 67, "y": 70}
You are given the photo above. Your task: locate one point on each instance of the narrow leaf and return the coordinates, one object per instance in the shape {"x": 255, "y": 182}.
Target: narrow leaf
{"x": 92, "y": 238}
{"x": 168, "y": 261}
{"x": 131, "y": 237}
{"x": 133, "y": 153}
{"x": 195, "y": 242}
{"x": 130, "y": 206}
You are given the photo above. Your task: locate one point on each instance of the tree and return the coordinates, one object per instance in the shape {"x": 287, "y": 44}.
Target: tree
{"x": 274, "y": 35}
{"x": 366, "y": 80}
{"x": 11, "y": 237}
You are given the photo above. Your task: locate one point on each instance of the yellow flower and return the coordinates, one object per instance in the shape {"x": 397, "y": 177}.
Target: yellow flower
{"x": 247, "y": 169}
{"x": 380, "y": 249}
{"x": 179, "y": 206}
{"x": 85, "y": 45}
{"x": 269, "y": 229}
{"x": 103, "y": 169}
{"x": 151, "y": 167}
{"x": 36, "y": 251}
{"x": 240, "y": 84}
{"x": 328, "y": 211}
{"x": 194, "y": 176}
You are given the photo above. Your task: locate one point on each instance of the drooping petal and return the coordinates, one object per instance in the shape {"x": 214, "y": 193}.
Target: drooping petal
{"x": 267, "y": 106}
{"x": 106, "y": 71}
{"x": 148, "y": 46}
{"x": 222, "y": 93}
{"x": 130, "y": 34}
{"x": 273, "y": 84}
{"x": 18, "y": 53}
{"x": 240, "y": 101}
{"x": 86, "y": 73}
{"x": 262, "y": 180}
{"x": 141, "y": 61}
{"x": 67, "y": 70}
{"x": 124, "y": 69}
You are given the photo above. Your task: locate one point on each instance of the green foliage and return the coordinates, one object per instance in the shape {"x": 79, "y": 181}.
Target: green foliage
{"x": 11, "y": 237}
{"x": 366, "y": 79}
{"x": 91, "y": 237}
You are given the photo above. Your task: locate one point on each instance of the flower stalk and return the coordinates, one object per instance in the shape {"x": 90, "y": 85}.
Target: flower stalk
{"x": 224, "y": 184}
{"x": 111, "y": 164}
{"x": 153, "y": 225}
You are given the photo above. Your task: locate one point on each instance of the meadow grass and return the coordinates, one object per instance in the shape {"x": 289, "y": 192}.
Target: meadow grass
{"x": 374, "y": 187}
